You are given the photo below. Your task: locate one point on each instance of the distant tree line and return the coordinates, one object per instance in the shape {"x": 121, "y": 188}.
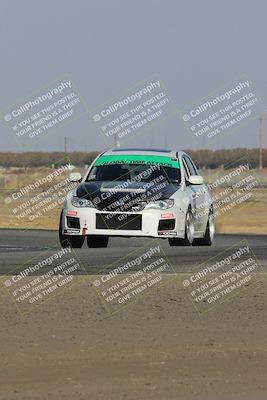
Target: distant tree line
{"x": 46, "y": 159}
{"x": 226, "y": 158}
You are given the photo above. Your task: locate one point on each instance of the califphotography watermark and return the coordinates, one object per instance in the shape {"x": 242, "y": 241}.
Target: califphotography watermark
{"x": 40, "y": 194}
{"x": 229, "y": 188}
{"x": 222, "y": 277}
{"x": 130, "y": 113}
{"x": 223, "y": 111}
{"x": 41, "y": 278}
{"x": 44, "y": 111}
{"x": 130, "y": 277}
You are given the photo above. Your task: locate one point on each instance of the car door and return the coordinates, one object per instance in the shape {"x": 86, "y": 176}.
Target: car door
{"x": 190, "y": 190}
{"x": 195, "y": 193}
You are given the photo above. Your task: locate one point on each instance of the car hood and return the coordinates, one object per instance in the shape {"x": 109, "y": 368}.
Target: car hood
{"x": 124, "y": 196}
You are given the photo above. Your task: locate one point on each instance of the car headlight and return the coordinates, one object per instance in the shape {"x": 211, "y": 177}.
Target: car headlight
{"x": 80, "y": 202}
{"x": 160, "y": 204}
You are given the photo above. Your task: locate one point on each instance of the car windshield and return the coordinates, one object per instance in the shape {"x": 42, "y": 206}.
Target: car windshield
{"x": 134, "y": 173}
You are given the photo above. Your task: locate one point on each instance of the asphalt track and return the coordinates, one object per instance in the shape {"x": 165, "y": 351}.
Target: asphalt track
{"x": 19, "y": 247}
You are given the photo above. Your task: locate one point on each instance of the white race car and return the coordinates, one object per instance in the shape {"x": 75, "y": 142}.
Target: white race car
{"x": 136, "y": 192}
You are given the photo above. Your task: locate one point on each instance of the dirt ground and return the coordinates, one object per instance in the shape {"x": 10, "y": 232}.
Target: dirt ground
{"x": 158, "y": 348}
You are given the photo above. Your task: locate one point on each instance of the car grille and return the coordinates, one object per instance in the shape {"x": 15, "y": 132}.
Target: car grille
{"x": 119, "y": 221}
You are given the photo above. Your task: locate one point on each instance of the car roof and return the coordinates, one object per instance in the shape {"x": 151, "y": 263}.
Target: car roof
{"x": 135, "y": 151}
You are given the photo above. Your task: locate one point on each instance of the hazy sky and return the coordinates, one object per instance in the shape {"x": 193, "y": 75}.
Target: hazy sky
{"x": 107, "y": 47}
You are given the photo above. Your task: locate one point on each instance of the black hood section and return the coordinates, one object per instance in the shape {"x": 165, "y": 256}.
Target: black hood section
{"x": 122, "y": 196}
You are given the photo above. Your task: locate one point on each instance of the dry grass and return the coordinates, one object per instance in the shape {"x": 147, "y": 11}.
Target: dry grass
{"x": 249, "y": 217}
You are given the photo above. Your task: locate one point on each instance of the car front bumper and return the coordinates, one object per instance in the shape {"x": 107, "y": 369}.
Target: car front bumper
{"x": 150, "y": 223}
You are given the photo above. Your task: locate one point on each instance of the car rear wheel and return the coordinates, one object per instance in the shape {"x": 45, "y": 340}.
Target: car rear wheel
{"x": 209, "y": 233}
{"x": 95, "y": 241}
{"x": 188, "y": 235}
{"x": 68, "y": 240}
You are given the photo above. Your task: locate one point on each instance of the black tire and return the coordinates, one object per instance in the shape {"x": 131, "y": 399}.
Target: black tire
{"x": 189, "y": 234}
{"x": 96, "y": 241}
{"x": 75, "y": 242}
{"x": 208, "y": 238}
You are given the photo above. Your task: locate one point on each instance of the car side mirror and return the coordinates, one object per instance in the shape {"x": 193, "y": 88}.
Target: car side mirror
{"x": 196, "y": 180}
{"x": 75, "y": 177}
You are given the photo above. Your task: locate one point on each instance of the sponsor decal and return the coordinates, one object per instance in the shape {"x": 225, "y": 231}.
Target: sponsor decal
{"x": 138, "y": 159}
{"x": 166, "y": 233}
{"x": 71, "y": 231}
{"x": 72, "y": 213}
{"x": 167, "y": 216}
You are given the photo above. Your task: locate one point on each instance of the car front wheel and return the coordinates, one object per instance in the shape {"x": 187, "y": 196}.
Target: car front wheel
{"x": 208, "y": 238}
{"x": 188, "y": 232}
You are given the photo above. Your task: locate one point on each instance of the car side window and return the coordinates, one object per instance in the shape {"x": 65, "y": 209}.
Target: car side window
{"x": 191, "y": 166}
{"x": 186, "y": 169}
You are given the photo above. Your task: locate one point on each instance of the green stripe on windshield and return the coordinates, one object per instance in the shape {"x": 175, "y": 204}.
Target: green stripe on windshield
{"x": 138, "y": 159}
